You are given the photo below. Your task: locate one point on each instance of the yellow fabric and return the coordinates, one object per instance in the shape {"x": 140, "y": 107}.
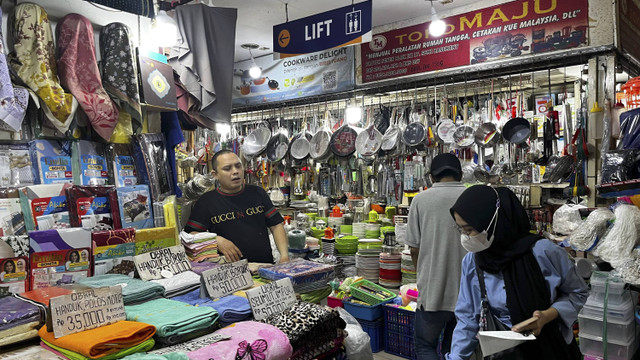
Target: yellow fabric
{"x": 123, "y": 131}
{"x": 36, "y": 62}
{"x": 102, "y": 341}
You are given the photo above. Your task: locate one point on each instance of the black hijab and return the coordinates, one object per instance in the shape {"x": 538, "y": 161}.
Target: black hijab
{"x": 510, "y": 253}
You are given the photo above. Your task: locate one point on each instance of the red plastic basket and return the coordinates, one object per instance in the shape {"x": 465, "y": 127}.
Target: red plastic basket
{"x": 333, "y": 302}
{"x": 398, "y": 325}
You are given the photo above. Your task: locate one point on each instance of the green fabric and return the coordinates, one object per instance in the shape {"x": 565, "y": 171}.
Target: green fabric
{"x": 316, "y": 296}
{"x": 135, "y": 291}
{"x": 172, "y": 317}
{"x": 171, "y": 356}
{"x": 142, "y": 347}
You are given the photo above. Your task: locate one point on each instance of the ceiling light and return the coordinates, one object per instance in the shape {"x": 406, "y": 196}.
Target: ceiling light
{"x": 166, "y": 30}
{"x": 353, "y": 115}
{"x": 254, "y": 71}
{"x": 437, "y": 26}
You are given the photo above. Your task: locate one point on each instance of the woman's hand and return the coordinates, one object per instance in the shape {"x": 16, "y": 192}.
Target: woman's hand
{"x": 535, "y": 324}
{"x": 228, "y": 249}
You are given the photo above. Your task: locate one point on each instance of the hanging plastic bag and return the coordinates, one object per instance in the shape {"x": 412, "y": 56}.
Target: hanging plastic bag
{"x": 567, "y": 218}
{"x": 358, "y": 342}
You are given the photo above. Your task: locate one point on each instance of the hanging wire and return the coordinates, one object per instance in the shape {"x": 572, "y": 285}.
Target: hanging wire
{"x": 286, "y": 11}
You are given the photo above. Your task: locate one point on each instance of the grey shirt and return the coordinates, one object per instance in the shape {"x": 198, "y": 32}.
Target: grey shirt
{"x": 432, "y": 230}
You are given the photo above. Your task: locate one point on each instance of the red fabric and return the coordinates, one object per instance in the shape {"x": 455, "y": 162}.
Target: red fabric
{"x": 78, "y": 71}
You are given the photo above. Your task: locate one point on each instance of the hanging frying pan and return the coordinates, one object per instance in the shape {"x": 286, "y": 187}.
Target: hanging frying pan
{"x": 369, "y": 141}
{"x": 391, "y": 137}
{"x": 516, "y": 130}
{"x": 343, "y": 141}
{"x": 277, "y": 147}
{"x": 463, "y": 136}
{"x": 487, "y": 135}
{"x": 300, "y": 145}
{"x": 415, "y": 133}
{"x": 256, "y": 142}
{"x": 319, "y": 143}
{"x": 444, "y": 130}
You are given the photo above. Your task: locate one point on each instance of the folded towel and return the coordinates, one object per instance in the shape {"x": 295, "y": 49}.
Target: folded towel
{"x": 172, "y": 317}
{"x": 199, "y": 267}
{"x": 43, "y": 295}
{"x": 145, "y": 356}
{"x": 179, "y": 284}
{"x": 181, "y": 338}
{"x": 263, "y": 341}
{"x": 196, "y": 238}
{"x": 231, "y": 308}
{"x": 133, "y": 290}
{"x": 15, "y": 311}
{"x": 142, "y": 347}
{"x": 19, "y": 333}
{"x": 102, "y": 341}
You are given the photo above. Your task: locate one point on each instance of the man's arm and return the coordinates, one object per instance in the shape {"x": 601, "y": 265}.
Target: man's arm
{"x": 281, "y": 240}
{"x": 414, "y": 255}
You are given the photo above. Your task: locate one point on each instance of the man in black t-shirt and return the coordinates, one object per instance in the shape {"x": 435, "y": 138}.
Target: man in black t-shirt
{"x": 239, "y": 214}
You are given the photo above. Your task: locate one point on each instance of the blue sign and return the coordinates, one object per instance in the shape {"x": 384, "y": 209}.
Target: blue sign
{"x": 348, "y": 25}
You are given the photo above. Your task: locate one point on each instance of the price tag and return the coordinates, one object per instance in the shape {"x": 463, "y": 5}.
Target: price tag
{"x": 86, "y": 309}
{"x": 271, "y": 298}
{"x": 160, "y": 263}
{"x": 227, "y": 279}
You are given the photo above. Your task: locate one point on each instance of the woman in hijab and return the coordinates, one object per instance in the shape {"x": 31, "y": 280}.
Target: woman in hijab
{"x": 525, "y": 278}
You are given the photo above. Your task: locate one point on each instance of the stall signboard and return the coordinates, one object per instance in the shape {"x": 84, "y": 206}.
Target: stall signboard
{"x": 162, "y": 263}
{"x": 628, "y": 13}
{"x": 313, "y": 74}
{"x": 226, "y": 279}
{"x": 86, "y": 309}
{"x": 347, "y": 25}
{"x": 272, "y": 298}
{"x": 510, "y": 30}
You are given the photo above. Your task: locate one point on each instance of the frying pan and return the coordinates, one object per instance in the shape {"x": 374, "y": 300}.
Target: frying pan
{"x": 487, "y": 135}
{"x": 319, "y": 143}
{"x": 277, "y": 147}
{"x": 516, "y": 130}
{"x": 299, "y": 147}
{"x": 444, "y": 130}
{"x": 256, "y": 142}
{"x": 391, "y": 137}
{"x": 415, "y": 132}
{"x": 343, "y": 141}
{"x": 369, "y": 141}
{"x": 463, "y": 137}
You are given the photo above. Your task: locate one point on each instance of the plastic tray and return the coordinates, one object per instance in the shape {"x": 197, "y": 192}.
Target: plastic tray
{"x": 616, "y": 331}
{"x": 598, "y": 283}
{"x": 362, "y": 312}
{"x": 615, "y": 312}
{"x": 375, "y": 329}
{"x": 616, "y": 350}
{"x": 334, "y": 302}
{"x": 359, "y": 294}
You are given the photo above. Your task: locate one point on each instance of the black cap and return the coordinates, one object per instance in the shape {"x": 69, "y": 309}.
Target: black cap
{"x": 444, "y": 162}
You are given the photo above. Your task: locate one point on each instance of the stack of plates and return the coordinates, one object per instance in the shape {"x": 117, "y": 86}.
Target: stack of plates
{"x": 407, "y": 268}
{"x": 358, "y": 230}
{"x": 347, "y": 245}
{"x": 368, "y": 259}
{"x": 371, "y": 231}
{"x": 334, "y": 222}
{"x": 390, "y": 275}
{"x": 346, "y": 229}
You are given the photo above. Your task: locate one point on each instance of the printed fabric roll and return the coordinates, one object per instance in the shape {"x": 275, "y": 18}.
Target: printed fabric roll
{"x": 103, "y": 341}
{"x": 172, "y": 317}
{"x": 249, "y": 340}
{"x": 135, "y": 290}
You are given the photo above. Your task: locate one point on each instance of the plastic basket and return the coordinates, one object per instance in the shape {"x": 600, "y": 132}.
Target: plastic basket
{"x": 362, "y": 312}
{"x": 334, "y": 302}
{"x": 375, "y": 329}
{"x": 359, "y": 294}
{"x": 398, "y": 325}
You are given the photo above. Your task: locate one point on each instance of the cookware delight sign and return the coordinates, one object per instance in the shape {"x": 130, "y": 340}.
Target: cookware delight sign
{"x": 524, "y": 27}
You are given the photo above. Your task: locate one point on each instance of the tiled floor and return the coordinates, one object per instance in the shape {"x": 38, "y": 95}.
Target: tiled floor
{"x": 384, "y": 356}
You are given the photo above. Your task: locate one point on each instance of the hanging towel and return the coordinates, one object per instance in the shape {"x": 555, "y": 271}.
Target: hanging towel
{"x": 36, "y": 64}
{"x": 79, "y": 73}
{"x": 145, "y": 346}
{"x": 203, "y": 60}
{"x": 179, "y": 284}
{"x": 120, "y": 70}
{"x": 99, "y": 342}
{"x": 231, "y": 308}
{"x": 249, "y": 340}
{"x": 13, "y": 100}
{"x": 133, "y": 290}
{"x": 172, "y": 317}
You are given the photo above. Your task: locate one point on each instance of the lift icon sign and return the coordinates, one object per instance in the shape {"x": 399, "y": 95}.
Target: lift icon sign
{"x": 353, "y": 23}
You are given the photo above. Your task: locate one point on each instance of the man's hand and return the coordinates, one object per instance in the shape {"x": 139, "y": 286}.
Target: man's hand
{"x": 228, "y": 249}
{"x": 535, "y": 324}
{"x": 284, "y": 258}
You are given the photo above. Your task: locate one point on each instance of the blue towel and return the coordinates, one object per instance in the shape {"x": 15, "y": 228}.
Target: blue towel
{"x": 134, "y": 290}
{"x": 231, "y": 308}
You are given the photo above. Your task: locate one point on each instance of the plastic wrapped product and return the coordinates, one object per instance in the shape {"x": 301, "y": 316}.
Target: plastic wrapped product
{"x": 591, "y": 229}
{"x": 567, "y": 218}
{"x": 152, "y": 164}
{"x": 618, "y": 243}
{"x": 90, "y": 208}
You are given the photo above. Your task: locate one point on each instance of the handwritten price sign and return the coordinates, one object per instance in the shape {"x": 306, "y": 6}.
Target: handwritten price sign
{"x": 86, "y": 309}
{"x": 152, "y": 265}
{"x": 227, "y": 278}
{"x": 271, "y": 298}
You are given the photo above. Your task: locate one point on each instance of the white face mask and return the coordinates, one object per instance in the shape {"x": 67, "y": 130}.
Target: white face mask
{"x": 479, "y": 242}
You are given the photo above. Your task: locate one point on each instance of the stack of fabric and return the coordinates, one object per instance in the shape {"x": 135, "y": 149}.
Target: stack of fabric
{"x": 231, "y": 308}
{"x": 134, "y": 291}
{"x": 112, "y": 341}
{"x": 200, "y": 267}
{"x": 200, "y": 247}
{"x": 408, "y": 270}
{"x": 179, "y": 284}
{"x": 175, "y": 321}
{"x": 305, "y": 275}
{"x": 314, "y": 331}
{"x": 249, "y": 340}
{"x": 20, "y": 319}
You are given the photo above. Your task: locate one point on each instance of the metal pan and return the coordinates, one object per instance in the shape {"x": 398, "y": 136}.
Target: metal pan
{"x": 277, "y": 147}
{"x": 319, "y": 144}
{"x": 369, "y": 141}
{"x": 343, "y": 141}
{"x": 516, "y": 130}
{"x": 300, "y": 145}
{"x": 414, "y": 134}
{"x": 487, "y": 135}
{"x": 256, "y": 142}
{"x": 444, "y": 130}
{"x": 463, "y": 137}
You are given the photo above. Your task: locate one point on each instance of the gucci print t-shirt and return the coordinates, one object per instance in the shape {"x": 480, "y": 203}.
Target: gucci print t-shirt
{"x": 243, "y": 218}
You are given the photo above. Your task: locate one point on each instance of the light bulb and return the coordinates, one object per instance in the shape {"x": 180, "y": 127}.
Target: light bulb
{"x": 437, "y": 26}
{"x": 353, "y": 115}
{"x": 255, "y": 71}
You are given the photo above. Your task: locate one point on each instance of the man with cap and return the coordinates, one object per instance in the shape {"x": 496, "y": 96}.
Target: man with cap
{"x": 437, "y": 255}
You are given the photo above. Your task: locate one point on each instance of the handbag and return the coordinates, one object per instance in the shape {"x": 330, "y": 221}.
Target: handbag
{"x": 489, "y": 322}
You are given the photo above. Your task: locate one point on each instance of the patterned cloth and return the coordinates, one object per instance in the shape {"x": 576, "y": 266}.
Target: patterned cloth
{"x": 13, "y": 101}
{"x": 79, "y": 73}
{"x": 120, "y": 71}
{"x": 249, "y": 340}
{"x": 36, "y": 64}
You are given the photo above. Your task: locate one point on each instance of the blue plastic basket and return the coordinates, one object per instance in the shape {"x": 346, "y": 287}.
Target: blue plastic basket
{"x": 398, "y": 325}
{"x": 362, "y": 312}
{"x": 375, "y": 329}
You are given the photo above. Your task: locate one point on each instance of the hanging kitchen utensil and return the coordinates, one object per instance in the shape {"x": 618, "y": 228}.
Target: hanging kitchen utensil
{"x": 516, "y": 130}
{"x": 391, "y": 137}
{"x": 368, "y": 142}
{"x": 463, "y": 136}
{"x": 299, "y": 147}
{"x": 343, "y": 141}
{"x": 256, "y": 142}
{"x": 278, "y": 145}
{"x": 319, "y": 143}
{"x": 445, "y": 127}
{"x": 487, "y": 135}
{"x": 415, "y": 133}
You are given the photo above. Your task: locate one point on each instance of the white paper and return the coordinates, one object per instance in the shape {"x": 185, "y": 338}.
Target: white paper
{"x": 492, "y": 342}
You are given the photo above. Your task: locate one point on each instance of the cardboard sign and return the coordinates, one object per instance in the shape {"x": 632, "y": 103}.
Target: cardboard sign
{"x": 227, "y": 279}
{"x": 86, "y": 309}
{"x": 271, "y": 298}
{"x": 162, "y": 263}
{"x": 192, "y": 345}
